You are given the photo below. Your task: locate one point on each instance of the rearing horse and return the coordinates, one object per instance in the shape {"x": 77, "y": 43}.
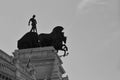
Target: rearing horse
{"x": 56, "y": 39}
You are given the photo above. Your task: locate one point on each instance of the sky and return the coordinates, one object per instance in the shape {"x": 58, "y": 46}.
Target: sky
{"x": 91, "y": 26}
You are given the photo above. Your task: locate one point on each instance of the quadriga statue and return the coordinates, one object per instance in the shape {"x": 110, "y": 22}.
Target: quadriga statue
{"x": 56, "y": 39}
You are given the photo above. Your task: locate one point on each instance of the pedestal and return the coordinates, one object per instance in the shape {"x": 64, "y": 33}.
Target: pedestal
{"x": 45, "y": 61}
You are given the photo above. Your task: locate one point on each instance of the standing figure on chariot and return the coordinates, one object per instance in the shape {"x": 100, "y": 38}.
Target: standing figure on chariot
{"x": 33, "y": 24}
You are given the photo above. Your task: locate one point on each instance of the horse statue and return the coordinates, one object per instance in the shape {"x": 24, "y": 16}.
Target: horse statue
{"x": 56, "y": 39}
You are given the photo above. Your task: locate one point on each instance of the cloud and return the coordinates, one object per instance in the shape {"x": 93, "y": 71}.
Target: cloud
{"x": 85, "y": 3}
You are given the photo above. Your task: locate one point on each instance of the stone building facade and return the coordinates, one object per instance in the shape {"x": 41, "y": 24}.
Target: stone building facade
{"x": 44, "y": 61}
{"x": 41, "y": 63}
{"x": 7, "y": 68}
{"x": 11, "y": 69}
{"x": 22, "y": 72}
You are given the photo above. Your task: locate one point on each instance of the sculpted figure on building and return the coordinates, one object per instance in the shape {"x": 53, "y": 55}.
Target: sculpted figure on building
{"x": 56, "y": 39}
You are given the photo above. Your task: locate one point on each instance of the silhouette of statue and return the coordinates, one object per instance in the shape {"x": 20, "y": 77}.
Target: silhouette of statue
{"x": 56, "y": 39}
{"x": 29, "y": 40}
{"x": 33, "y": 24}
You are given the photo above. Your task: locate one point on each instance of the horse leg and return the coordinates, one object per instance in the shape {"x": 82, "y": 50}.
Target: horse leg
{"x": 64, "y": 53}
{"x": 65, "y": 49}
